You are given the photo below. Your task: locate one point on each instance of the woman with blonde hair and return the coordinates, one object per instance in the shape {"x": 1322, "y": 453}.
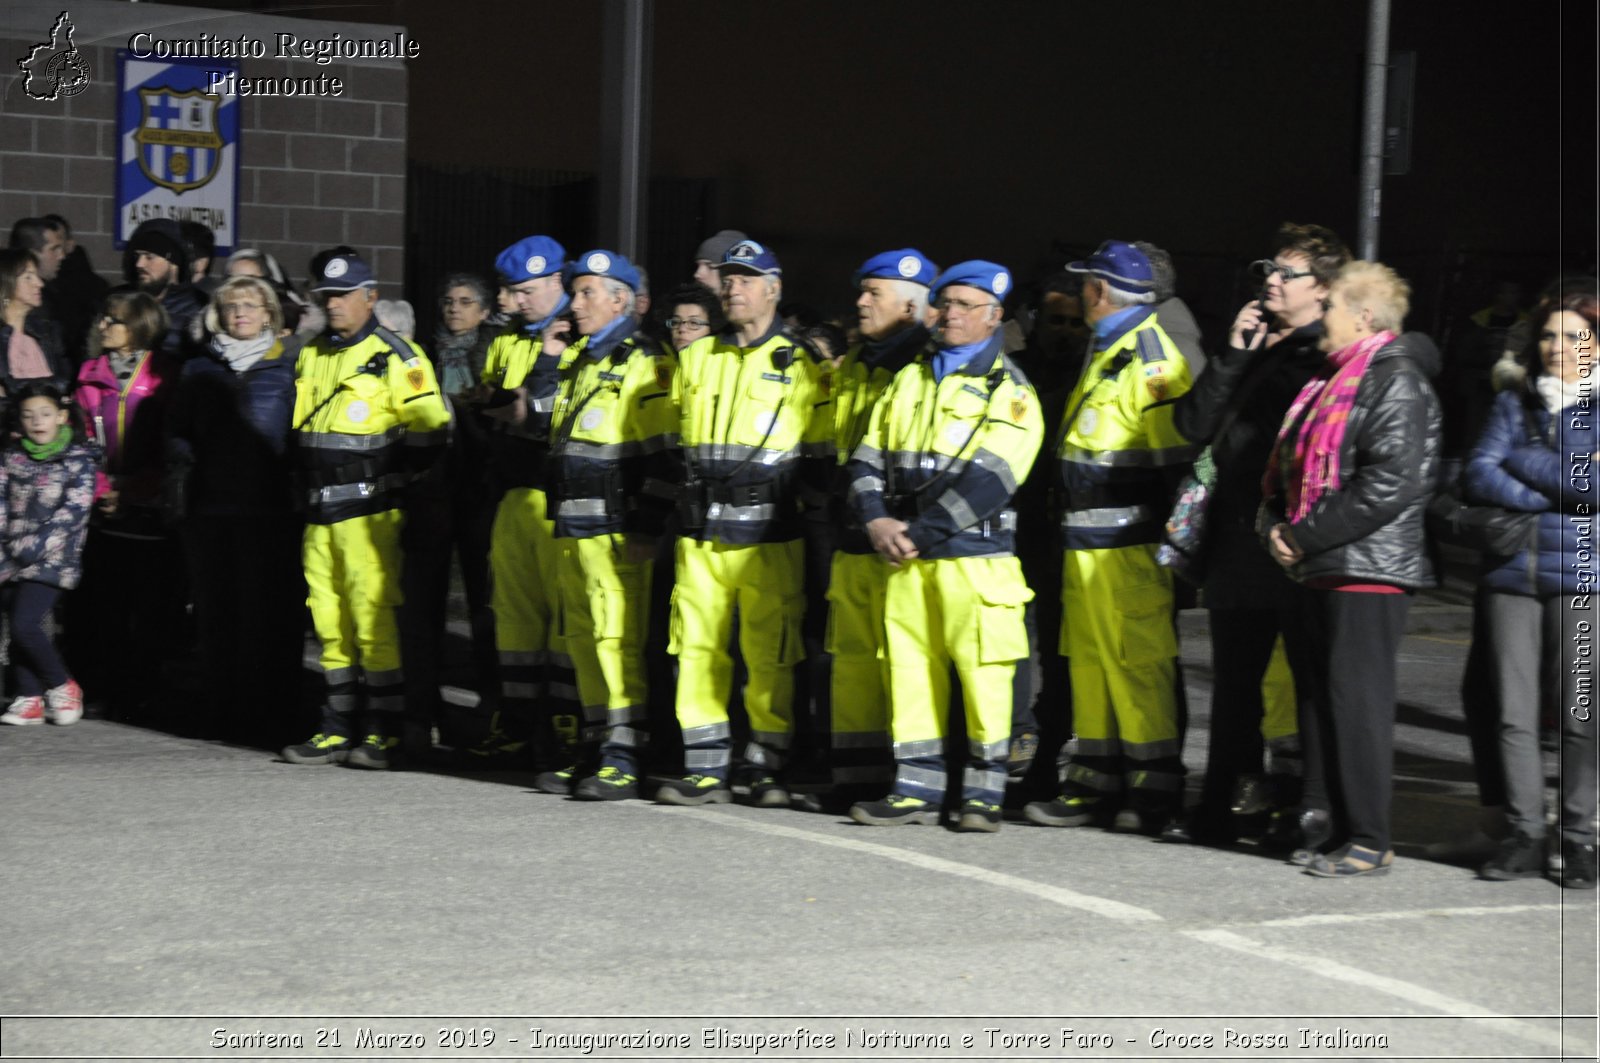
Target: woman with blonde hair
{"x": 1345, "y": 493}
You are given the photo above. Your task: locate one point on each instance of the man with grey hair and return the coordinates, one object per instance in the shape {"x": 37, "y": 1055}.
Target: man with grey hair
{"x": 1118, "y": 454}
{"x": 1172, "y": 313}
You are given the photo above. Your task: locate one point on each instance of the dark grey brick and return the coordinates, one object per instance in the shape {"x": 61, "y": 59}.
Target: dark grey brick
{"x": 378, "y": 156}
{"x": 90, "y": 177}
{"x": 311, "y": 228}
{"x": 68, "y": 136}
{"x": 14, "y": 205}
{"x": 260, "y": 223}
{"x": 382, "y": 84}
{"x": 265, "y": 149}
{"x": 16, "y": 133}
{"x": 347, "y": 118}
{"x": 286, "y": 187}
{"x": 310, "y": 152}
{"x": 389, "y": 264}
{"x": 290, "y": 113}
{"x": 374, "y": 228}
{"x": 33, "y": 173}
{"x": 345, "y": 191}
{"x": 392, "y": 193}
{"x": 392, "y": 121}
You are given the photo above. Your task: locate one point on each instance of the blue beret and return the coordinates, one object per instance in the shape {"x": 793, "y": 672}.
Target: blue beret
{"x": 989, "y": 276}
{"x": 1120, "y": 265}
{"x": 602, "y": 263}
{"x": 747, "y": 256}
{"x": 343, "y": 273}
{"x": 906, "y": 264}
{"x": 533, "y": 256}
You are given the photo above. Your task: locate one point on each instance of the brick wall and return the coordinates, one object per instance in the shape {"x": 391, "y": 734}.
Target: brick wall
{"x": 314, "y": 171}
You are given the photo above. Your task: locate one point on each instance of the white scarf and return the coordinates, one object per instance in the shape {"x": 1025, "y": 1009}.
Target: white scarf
{"x": 1558, "y": 394}
{"x": 242, "y": 354}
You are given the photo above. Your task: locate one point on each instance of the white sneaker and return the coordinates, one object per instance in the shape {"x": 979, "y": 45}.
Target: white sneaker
{"x": 24, "y": 712}
{"x": 63, "y": 705}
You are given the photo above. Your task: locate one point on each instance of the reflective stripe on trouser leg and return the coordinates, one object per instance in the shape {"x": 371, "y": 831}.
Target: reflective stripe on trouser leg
{"x": 353, "y": 589}
{"x": 700, "y": 626}
{"x": 860, "y": 683}
{"x": 983, "y": 602}
{"x": 1116, "y": 632}
{"x": 522, "y": 567}
{"x": 604, "y": 599}
{"x": 1281, "y": 716}
{"x": 919, "y": 680}
{"x": 385, "y": 702}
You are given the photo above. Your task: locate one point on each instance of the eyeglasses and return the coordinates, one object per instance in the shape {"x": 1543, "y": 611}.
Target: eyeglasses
{"x": 687, "y": 322}
{"x": 1266, "y": 267}
{"x": 229, "y": 309}
{"x": 961, "y": 305}
{"x": 447, "y": 303}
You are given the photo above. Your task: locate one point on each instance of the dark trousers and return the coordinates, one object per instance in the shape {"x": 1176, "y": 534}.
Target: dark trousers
{"x": 1354, "y": 638}
{"x": 1480, "y": 703}
{"x": 1241, "y": 648}
{"x": 249, "y": 601}
{"x": 34, "y": 658}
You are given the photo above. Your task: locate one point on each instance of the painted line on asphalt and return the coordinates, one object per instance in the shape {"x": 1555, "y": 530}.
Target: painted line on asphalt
{"x": 1334, "y": 919}
{"x": 1380, "y": 983}
{"x": 1110, "y": 909}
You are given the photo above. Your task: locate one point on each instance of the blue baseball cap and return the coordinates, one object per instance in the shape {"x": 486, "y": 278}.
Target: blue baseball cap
{"x": 343, "y": 273}
{"x": 601, "y": 263}
{"x": 1120, "y": 265}
{"x": 530, "y": 257}
{"x": 906, "y": 264}
{"x": 747, "y": 256}
{"x": 988, "y": 276}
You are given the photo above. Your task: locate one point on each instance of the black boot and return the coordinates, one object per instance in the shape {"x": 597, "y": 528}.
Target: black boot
{"x": 1519, "y": 856}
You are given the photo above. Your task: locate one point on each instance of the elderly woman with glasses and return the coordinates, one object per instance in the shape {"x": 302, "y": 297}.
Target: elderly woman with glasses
{"x": 1347, "y": 484}
{"x": 228, "y": 485}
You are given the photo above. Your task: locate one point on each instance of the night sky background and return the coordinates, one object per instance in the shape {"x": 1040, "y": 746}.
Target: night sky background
{"x": 832, "y": 129}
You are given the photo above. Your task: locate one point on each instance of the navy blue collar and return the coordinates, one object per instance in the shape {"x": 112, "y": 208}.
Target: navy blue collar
{"x": 534, "y": 328}
{"x": 894, "y": 351}
{"x": 336, "y": 340}
{"x": 1123, "y": 322}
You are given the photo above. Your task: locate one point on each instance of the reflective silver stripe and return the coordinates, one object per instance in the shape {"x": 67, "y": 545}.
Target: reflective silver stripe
{"x": 928, "y": 462}
{"x": 339, "y": 675}
{"x": 927, "y": 778}
{"x": 594, "y": 714}
{"x": 993, "y": 781}
{"x": 357, "y": 491}
{"x": 434, "y": 437}
{"x": 928, "y": 747}
{"x": 862, "y": 484}
{"x": 711, "y": 732}
{"x": 559, "y": 659}
{"x": 1181, "y": 455}
{"x": 546, "y": 404}
{"x": 762, "y": 756}
{"x": 386, "y": 703}
{"x": 960, "y": 511}
{"x": 624, "y": 736}
{"x": 770, "y": 739}
{"x": 530, "y": 658}
{"x": 582, "y": 507}
{"x": 520, "y": 690}
{"x": 657, "y": 444}
{"x": 1164, "y": 747}
{"x": 699, "y": 760}
{"x": 989, "y": 461}
{"x": 625, "y": 715}
{"x": 565, "y": 691}
{"x": 577, "y": 448}
{"x": 993, "y": 751}
{"x": 343, "y": 703}
{"x": 392, "y": 678}
{"x": 1109, "y": 517}
{"x": 1154, "y": 780}
{"x": 869, "y": 454}
{"x": 1094, "y": 780}
{"x": 1099, "y": 747}
{"x": 1007, "y": 521}
{"x": 860, "y": 740}
{"x": 1109, "y": 459}
{"x": 740, "y": 452}
{"x": 722, "y": 511}
{"x": 346, "y": 441}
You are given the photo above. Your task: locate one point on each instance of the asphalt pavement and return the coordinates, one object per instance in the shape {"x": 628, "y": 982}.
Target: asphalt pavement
{"x": 173, "y": 898}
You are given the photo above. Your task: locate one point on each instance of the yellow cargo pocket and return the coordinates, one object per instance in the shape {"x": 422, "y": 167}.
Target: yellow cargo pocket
{"x": 1144, "y": 621}
{"x": 675, "y": 625}
{"x": 792, "y": 648}
{"x": 1002, "y": 625}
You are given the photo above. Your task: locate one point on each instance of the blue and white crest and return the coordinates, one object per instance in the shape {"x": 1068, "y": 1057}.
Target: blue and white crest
{"x": 179, "y": 145}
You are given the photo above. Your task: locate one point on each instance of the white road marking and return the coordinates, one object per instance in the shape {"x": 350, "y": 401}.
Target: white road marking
{"x": 1333, "y": 919}
{"x": 1054, "y": 894}
{"x": 1394, "y": 987}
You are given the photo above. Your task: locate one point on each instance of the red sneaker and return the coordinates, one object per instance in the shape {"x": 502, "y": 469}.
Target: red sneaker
{"x": 24, "y": 711}
{"x": 64, "y": 704}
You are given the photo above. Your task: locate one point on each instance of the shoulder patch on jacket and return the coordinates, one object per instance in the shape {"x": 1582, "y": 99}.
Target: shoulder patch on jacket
{"x": 663, "y": 372}
{"x": 1019, "y": 403}
{"x": 1149, "y": 346}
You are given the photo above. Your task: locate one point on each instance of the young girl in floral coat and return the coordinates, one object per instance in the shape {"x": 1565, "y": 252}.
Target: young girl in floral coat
{"x": 47, "y": 481}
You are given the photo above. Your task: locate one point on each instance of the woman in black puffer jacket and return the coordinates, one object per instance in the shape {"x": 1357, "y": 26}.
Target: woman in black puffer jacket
{"x": 1346, "y": 494}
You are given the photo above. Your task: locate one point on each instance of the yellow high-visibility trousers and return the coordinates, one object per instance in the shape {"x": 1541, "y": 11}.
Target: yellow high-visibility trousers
{"x": 605, "y": 600}
{"x": 859, "y": 686}
{"x": 535, "y": 670}
{"x": 353, "y": 589}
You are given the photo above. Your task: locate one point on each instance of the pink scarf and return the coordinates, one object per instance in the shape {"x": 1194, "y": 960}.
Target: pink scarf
{"x": 1314, "y": 468}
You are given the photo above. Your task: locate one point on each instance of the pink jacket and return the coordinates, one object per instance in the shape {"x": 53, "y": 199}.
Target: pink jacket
{"x": 128, "y": 422}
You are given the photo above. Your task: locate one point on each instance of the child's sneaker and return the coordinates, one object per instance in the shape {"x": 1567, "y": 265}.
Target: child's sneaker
{"x": 24, "y": 711}
{"x": 64, "y": 704}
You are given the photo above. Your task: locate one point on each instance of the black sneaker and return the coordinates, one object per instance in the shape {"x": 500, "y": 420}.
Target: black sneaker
{"x": 1070, "y": 812}
{"x": 558, "y": 781}
{"x": 1578, "y": 865}
{"x": 763, "y": 791}
{"x": 377, "y": 753}
{"x": 608, "y": 784}
{"x": 496, "y": 751}
{"x": 979, "y": 816}
{"x": 1519, "y": 856}
{"x": 893, "y": 810}
{"x": 320, "y": 749}
{"x": 694, "y": 789}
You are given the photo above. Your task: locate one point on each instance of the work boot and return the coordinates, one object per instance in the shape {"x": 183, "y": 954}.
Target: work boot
{"x": 1578, "y": 865}
{"x": 377, "y": 753}
{"x": 496, "y": 750}
{"x": 608, "y": 784}
{"x": 979, "y": 816}
{"x": 320, "y": 749}
{"x": 763, "y": 791}
{"x": 894, "y": 809}
{"x": 694, "y": 789}
{"x": 559, "y": 781}
{"x": 1067, "y": 811}
{"x": 1519, "y": 856}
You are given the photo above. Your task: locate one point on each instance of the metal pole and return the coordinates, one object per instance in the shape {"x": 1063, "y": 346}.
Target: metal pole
{"x": 1370, "y": 207}
{"x": 624, "y": 111}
